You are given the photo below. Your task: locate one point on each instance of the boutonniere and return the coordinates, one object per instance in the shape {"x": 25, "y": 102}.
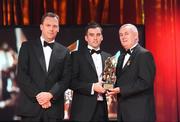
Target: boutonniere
{"x": 128, "y": 62}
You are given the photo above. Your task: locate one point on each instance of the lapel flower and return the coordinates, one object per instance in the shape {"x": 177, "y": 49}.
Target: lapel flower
{"x": 128, "y": 62}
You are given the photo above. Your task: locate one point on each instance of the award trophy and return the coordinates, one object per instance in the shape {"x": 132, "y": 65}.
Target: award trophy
{"x": 109, "y": 73}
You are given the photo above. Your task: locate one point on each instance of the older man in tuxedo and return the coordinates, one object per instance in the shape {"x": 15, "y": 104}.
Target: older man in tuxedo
{"x": 135, "y": 79}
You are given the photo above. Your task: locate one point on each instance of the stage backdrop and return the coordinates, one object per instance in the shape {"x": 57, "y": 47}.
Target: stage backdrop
{"x": 70, "y": 36}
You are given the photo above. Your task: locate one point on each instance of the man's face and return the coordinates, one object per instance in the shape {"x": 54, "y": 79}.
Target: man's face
{"x": 49, "y": 28}
{"x": 94, "y": 37}
{"x": 127, "y": 37}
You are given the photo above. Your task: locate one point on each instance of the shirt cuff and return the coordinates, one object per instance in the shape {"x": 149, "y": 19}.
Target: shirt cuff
{"x": 92, "y": 91}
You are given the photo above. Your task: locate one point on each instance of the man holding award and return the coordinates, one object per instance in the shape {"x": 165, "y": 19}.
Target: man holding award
{"x": 135, "y": 79}
{"x": 89, "y": 101}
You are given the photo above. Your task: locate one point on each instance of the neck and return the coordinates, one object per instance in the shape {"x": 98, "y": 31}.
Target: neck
{"x": 131, "y": 47}
{"x": 95, "y": 48}
{"x": 46, "y": 39}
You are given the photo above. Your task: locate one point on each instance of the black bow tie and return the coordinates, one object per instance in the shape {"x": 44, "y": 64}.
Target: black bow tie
{"x": 95, "y": 51}
{"x": 128, "y": 52}
{"x": 48, "y": 44}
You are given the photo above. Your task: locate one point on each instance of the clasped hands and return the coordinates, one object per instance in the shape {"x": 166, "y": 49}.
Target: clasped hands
{"x": 44, "y": 98}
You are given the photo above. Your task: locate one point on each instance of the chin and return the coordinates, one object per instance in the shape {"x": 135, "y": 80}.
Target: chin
{"x": 50, "y": 38}
{"x": 95, "y": 47}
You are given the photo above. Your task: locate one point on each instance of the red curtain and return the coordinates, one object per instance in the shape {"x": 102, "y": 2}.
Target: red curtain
{"x": 29, "y": 12}
{"x": 162, "y": 24}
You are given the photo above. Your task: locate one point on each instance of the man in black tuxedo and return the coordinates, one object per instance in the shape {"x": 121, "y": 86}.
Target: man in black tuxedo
{"x": 135, "y": 79}
{"x": 89, "y": 102}
{"x": 43, "y": 74}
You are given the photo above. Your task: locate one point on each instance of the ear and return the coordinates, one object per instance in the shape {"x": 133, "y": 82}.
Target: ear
{"x": 86, "y": 39}
{"x": 41, "y": 27}
{"x": 58, "y": 29}
{"x": 136, "y": 36}
{"x": 102, "y": 38}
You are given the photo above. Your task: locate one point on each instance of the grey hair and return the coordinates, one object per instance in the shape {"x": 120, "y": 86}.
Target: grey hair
{"x": 130, "y": 26}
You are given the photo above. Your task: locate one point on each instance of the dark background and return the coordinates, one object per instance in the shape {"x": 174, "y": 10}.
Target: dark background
{"x": 69, "y": 34}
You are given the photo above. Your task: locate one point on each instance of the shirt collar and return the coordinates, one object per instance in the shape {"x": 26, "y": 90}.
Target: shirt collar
{"x": 42, "y": 40}
{"x": 90, "y": 47}
{"x": 133, "y": 47}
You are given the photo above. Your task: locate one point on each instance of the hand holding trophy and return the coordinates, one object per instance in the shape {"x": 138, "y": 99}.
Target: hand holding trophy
{"x": 109, "y": 73}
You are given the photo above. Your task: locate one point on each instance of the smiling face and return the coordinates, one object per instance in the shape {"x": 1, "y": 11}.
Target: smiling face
{"x": 128, "y": 35}
{"x": 49, "y": 28}
{"x": 94, "y": 37}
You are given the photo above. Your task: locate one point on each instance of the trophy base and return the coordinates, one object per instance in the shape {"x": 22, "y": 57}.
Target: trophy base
{"x": 108, "y": 86}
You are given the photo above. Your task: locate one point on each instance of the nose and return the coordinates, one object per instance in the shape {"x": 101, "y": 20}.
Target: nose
{"x": 51, "y": 28}
{"x": 95, "y": 37}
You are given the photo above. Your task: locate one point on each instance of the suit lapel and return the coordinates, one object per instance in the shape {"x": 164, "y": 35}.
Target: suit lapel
{"x": 89, "y": 58}
{"x": 39, "y": 54}
{"x": 128, "y": 63}
{"x": 131, "y": 58}
{"x": 53, "y": 57}
{"x": 120, "y": 62}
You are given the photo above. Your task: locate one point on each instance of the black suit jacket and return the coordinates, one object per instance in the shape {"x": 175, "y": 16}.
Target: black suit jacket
{"x": 83, "y": 76}
{"x": 136, "y": 82}
{"x": 33, "y": 78}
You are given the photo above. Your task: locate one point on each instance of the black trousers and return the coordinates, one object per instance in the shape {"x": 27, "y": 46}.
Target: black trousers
{"x": 42, "y": 117}
{"x": 101, "y": 113}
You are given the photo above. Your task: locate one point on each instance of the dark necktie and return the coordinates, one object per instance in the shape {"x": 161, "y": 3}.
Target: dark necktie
{"x": 48, "y": 44}
{"x": 95, "y": 51}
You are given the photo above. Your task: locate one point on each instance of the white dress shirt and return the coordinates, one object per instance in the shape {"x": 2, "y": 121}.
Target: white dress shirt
{"x": 127, "y": 56}
{"x": 98, "y": 65}
{"x": 47, "y": 52}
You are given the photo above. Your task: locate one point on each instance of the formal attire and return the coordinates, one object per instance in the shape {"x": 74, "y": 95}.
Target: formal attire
{"x": 87, "y": 67}
{"x": 135, "y": 77}
{"x": 42, "y": 69}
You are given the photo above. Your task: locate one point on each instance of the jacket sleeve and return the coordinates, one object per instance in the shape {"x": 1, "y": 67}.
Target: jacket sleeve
{"x": 23, "y": 75}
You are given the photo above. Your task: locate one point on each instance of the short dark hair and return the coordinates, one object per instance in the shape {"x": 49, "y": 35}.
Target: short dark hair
{"x": 92, "y": 25}
{"x": 49, "y": 14}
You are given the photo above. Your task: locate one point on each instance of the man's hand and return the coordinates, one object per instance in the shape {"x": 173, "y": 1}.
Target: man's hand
{"x": 44, "y": 97}
{"x": 98, "y": 88}
{"x": 113, "y": 91}
{"x": 46, "y": 105}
